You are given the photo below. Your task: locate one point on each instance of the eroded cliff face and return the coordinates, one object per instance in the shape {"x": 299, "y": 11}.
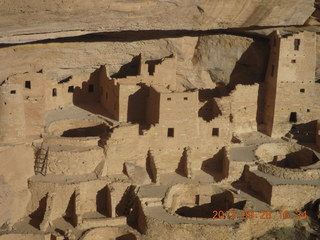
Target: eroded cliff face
{"x": 201, "y": 60}
{"x": 31, "y": 20}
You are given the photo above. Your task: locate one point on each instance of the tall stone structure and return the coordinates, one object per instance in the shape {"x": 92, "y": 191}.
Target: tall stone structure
{"x": 12, "y": 116}
{"x": 291, "y": 93}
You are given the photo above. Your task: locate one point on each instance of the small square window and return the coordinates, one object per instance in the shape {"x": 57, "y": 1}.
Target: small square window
{"x": 13, "y": 92}
{"x": 27, "y": 84}
{"x": 302, "y": 90}
{"x": 54, "y": 92}
{"x": 90, "y": 88}
{"x": 308, "y": 110}
{"x": 70, "y": 89}
{"x": 170, "y": 132}
{"x": 215, "y": 132}
{"x": 185, "y": 98}
{"x": 169, "y": 99}
{"x": 293, "y": 61}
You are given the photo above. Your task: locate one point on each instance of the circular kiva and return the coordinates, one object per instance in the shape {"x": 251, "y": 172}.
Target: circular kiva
{"x": 289, "y": 161}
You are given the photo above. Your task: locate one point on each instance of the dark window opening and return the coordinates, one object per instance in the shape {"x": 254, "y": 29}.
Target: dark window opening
{"x": 54, "y": 92}
{"x": 293, "y": 117}
{"x": 70, "y": 89}
{"x": 65, "y": 80}
{"x": 90, "y": 88}
{"x": 293, "y": 61}
{"x": 169, "y": 99}
{"x": 308, "y": 110}
{"x": 151, "y": 69}
{"x": 170, "y": 132}
{"x": 302, "y": 90}
{"x": 272, "y": 70}
{"x": 152, "y": 65}
{"x": 296, "y": 44}
{"x": 215, "y": 132}
{"x": 185, "y": 98}
{"x": 27, "y": 84}
{"x": 13, "y": 92}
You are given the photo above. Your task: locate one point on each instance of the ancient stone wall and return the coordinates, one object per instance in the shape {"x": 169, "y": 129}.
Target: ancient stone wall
{"x": 12, "y": 113}
{"x": 169, "y": 150}
{"x": 153, "y": 107}
{"x": 291, "y": 72}
{"x": 290, "y": 174}
{"x": 244, "y": 102}
{"x": 109, "y": 94}
{"x": 32, "y": 86}
{"x": 259, "y": 185}
{"x": 74, "y": 161}
{"x": 318, "y": 133}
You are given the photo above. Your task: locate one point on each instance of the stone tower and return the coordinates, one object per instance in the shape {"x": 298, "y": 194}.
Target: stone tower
{"x": 12, "y": 115}
{"x": 291, "y": 93}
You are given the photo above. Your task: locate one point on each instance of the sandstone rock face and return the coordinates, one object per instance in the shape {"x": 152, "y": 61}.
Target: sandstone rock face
{"x": 23, "y": 21}
{"x": 200, "y": 60}
{"x": 231, "y": 59}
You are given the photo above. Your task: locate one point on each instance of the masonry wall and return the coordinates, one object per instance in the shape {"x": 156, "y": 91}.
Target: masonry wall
{"x": 109, "y": 94}
{"x": 244, "y": 104}
{"x": 131, "y": 103}
{"x": 168, "y": 150}
{"x": 32, "y": 86}
{"x": 165, "y": 73}
{"x": 74, "y": 161}
{"x": 258, "y": 185}
{"x": 179, "y": 110}
{"x": 153, "y": 107}
{"x": 101, "y": 196}
{"x": 39, "y": 190}
{"x": 318, "y": 134}
{"x": 271, "y": 84}
{"x": 297, "y": 93}
{"x": 73, "y": 91}
{"x": 12, "y": 113}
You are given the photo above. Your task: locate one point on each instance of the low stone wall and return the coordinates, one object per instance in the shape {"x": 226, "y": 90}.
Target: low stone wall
{"x": 110, "y": 233}
{"x": 258, "y": 184}
{"x": 75, "y": 141}
{"x": 57, "y": 128}
{"x": 74, "y": 162}
{"x": 102, "y": 222}
{"x": 245, "y": 230}
{"x": 24, "y": 236}
{"x": 290, "y": 174}
{"x": 184, "y": 194}
{"x": 267, "y": 151}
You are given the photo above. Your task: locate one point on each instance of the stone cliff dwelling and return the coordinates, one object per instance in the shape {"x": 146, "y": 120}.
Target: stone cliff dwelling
{"x": 138, "y": 149}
